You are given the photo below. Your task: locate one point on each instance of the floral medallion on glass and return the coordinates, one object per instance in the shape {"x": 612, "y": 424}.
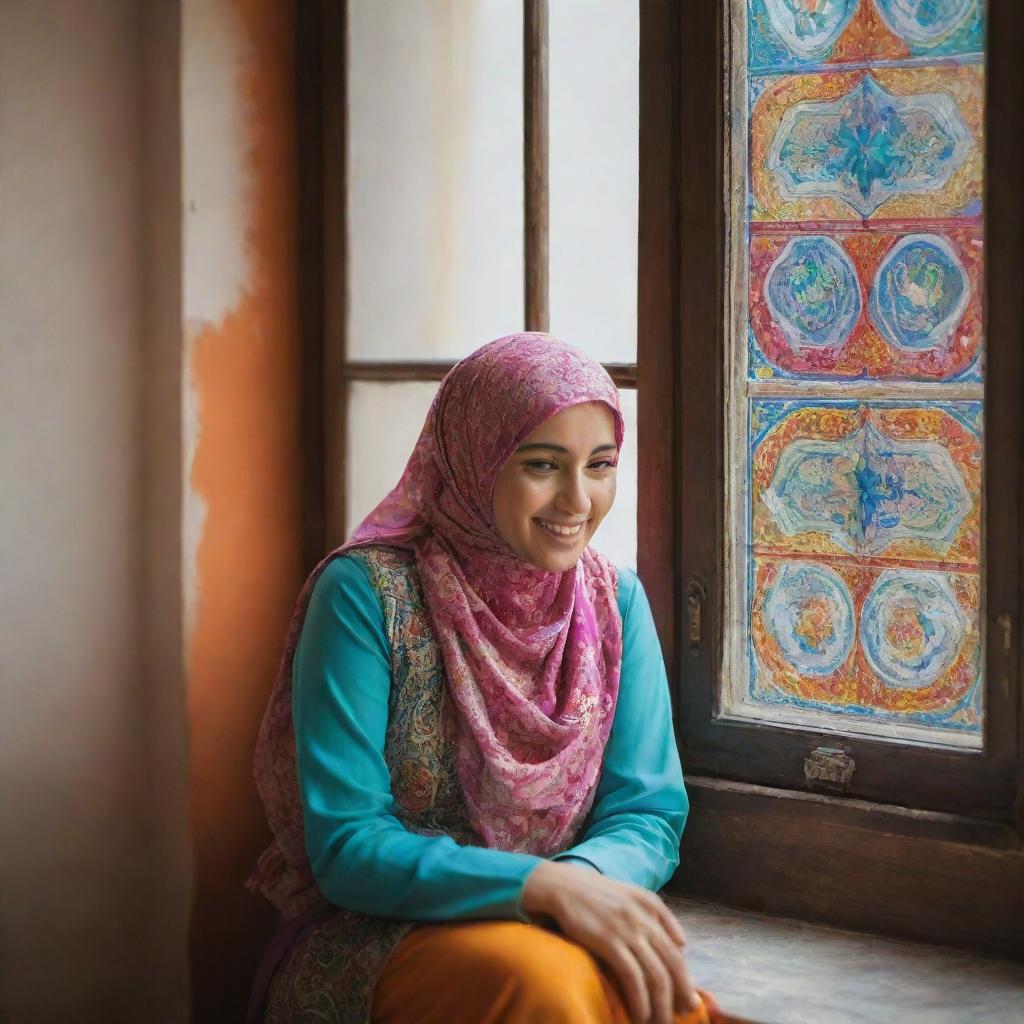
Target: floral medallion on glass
{"x": 883, "y": 142}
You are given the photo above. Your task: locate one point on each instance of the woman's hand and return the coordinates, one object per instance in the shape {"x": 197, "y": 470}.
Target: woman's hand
{"x": 625, "y": 926}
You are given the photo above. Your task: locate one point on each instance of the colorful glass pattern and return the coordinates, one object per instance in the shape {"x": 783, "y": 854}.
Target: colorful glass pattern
{"x": 857, "y": 366}
{"x": 864, "y": 557}
{"x": 856, "y": 305}
{"x": 794, "y": 33}
{"x": 867, "y": 144}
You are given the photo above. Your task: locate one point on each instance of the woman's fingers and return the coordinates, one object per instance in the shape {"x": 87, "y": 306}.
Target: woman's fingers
{"x": 658, "y": 978}
{"x": 684, "y": 992}
{"x": 632, "y": 931}
{"x": 631, "y": 979}
{"x": 691, "y": 996}
{"x": 677, "y": 936}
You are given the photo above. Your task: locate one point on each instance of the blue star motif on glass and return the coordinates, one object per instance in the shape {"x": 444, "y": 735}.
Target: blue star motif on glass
{"x": 868, "y": 146}
{"x": 867, "y": 490}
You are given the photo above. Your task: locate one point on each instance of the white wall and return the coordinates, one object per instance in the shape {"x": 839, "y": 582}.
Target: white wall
{"x": 92, "y": 896}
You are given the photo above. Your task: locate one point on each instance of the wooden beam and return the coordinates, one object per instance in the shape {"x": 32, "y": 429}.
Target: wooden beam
{"x": 535, "y": 165}
{"x": 623, "y": 374}
{"x": 309, "y": 118}
{"x": 1004, "y": 384}
{"x": 335, "y": 190}
{"x": 657, "y": 325}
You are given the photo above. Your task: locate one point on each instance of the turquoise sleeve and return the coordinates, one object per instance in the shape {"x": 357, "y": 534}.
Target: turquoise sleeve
{"x": 633, "y": 830}
{"x": 362, "y": 857}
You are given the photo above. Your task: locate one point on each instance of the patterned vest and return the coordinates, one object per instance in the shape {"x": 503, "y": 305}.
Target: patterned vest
{"x": 329, "y": 974}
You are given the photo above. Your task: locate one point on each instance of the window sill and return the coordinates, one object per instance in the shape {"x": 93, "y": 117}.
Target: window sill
{"x": 777, "y": 971}
{"x": 920, "y": 876}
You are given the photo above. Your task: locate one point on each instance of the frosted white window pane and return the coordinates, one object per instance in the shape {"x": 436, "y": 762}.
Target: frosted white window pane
{"x": 435, "y": 190}
{"x": 616, "y": 536}
{"x": 384, "y": 421}
{"x": 595, "y": 115}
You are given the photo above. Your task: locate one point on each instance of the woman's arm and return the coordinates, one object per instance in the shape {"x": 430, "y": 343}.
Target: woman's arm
{"x": 363, "y": 858}
{"x": 633, "y": 830}
{"x": 631, "y": 835}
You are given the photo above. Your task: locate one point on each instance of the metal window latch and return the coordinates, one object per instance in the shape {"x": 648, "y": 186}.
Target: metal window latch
{"x": 830, "y": 766}
{"x": 1005, "y": 623}
{"x": 696, "y": 598}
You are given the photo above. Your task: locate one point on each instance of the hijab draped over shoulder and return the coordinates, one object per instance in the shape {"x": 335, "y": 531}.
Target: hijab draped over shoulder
{"x": 531, "y": 657}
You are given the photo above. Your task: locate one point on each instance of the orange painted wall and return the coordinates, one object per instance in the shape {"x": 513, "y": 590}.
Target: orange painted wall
{"x": 244, "y": 375}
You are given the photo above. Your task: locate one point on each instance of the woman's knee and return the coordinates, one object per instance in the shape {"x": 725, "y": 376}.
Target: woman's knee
{"x": 547, "y": 977}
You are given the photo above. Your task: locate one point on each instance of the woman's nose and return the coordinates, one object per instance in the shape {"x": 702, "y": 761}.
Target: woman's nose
{"x": 573, "y": 498}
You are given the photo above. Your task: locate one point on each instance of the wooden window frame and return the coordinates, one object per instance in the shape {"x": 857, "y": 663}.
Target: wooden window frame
{"x": 321, "y": 39}
{"x": 757, "y": 836}
{"x": 742, "y": 769}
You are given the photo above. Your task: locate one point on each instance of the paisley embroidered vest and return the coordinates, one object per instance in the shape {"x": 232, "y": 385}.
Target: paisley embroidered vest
{"x": 330, "y": 972}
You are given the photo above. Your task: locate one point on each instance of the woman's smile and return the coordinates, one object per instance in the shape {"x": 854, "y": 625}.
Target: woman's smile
{"x": 561, "y": 531}
{"x": 553, "y": 492}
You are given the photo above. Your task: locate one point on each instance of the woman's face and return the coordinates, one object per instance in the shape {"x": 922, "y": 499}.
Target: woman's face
{"x": 557, "y": 486}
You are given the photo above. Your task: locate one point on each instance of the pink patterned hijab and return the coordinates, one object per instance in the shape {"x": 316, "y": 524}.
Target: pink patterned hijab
{"x": 532, "y": 657}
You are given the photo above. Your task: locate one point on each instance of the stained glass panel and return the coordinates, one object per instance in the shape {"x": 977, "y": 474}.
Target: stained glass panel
{"x": 856, "y": 284}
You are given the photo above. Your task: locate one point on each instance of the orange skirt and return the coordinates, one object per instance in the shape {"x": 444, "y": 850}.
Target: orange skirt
{"x": 485, "y": 972}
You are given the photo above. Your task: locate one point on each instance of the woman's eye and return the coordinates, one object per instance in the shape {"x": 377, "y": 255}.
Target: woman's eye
{"x": 543, "y": 465}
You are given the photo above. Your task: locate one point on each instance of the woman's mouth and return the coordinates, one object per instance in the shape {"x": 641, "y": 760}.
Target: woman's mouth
{"x": 560, "y": 529}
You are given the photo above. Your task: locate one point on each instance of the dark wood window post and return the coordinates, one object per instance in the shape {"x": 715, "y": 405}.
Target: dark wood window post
{"x": 536, "y": 220}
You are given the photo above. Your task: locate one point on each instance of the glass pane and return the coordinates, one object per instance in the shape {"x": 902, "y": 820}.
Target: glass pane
{"x": 594, "y": 174}
{"x": 855, "y": 446}
{"x": 379, "y": 446}
{"x": 616, "y": 536}
{"x": 435, "y": 189}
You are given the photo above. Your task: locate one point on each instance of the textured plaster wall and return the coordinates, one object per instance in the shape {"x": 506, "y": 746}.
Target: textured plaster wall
{"x": 242, "y": 456}
{"x": 149, "y": 519}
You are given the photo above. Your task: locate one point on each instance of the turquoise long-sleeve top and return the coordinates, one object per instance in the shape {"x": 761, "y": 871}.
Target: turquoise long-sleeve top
{"x": 361, "y": 855}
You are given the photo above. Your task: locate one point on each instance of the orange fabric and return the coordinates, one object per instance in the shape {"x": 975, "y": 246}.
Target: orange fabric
{"x": 486, "y": 972}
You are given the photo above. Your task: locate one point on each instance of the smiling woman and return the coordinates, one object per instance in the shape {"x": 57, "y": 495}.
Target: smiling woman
{"x": 554, "y": 492}
{"x": 468, "y": 760}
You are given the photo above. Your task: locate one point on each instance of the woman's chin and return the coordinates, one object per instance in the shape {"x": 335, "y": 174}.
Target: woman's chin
{"x": 555, "y": 561}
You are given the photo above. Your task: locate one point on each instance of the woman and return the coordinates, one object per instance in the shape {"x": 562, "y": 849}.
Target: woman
{"x": 469, "y": 747}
